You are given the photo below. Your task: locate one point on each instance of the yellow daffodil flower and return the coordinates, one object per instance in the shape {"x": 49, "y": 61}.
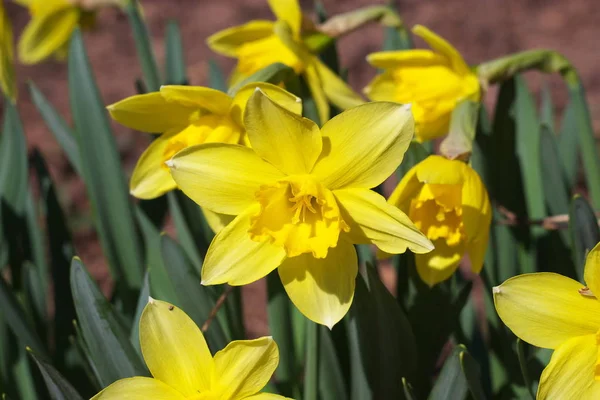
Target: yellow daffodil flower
{"x": 7, "y": 70}
{"x": 188, "y": 115}
{"x": 182, "y": 367}
{"x": 552, "y": 311}
{"x": 448, "y": 202}
{"x": 433, "y": 81}
{"x": 301, "y": 196}
{"x": 52, "y": 23}
{"x": 259, "y": 44}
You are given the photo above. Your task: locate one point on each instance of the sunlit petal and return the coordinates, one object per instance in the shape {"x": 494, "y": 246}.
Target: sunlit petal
{"x": 288, "y": 11}
{"x": 280, "y": 96}
{"x": 364, "y": 145}
{"x": 338, "y": 92}
{"x": 546, "y": 309}
{"x": 438, "y": 265}
{"x": 221, "y": 177}
{"x": 244, "y": 367}
{"x": 317, "y": 93}
{"x": 442, "y": 46}
{"x": 322, "y": 288}
{"x": 592, "y": 270}
{"x": 229, "y": 41}
{"x": 199, "y": 97}
{"x": 139, "y": 388}
{"x": 289, "y": 142}
{"x": 405, "y": 58}
{"x": 236, "y": 259}
{"x": 477, "y": 217}
{"x": 174, "y": 348}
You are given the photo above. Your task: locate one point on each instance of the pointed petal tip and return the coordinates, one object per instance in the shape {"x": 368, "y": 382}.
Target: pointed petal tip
{"x": 496, "y": 290}
{"x": 407, "y": 106}
{"x": 151, "y": 300}
{"x": 170, "y": 163}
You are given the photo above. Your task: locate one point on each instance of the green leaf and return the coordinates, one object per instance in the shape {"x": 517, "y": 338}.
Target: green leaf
{"x": 414, "y": 155}
{"x": 523, "y": 364}
{"x": 568, "y": 145}
{"x": 107, "y": 341}
{"x": 190, "y": 225}
{"x": 279, "y": 311}
{"x": 61, "y": 131}
{"x": 143, "y": 46}
{"x": 13, "y": 161}
{"x": 311, "y": 371}
{"x": 329, "y": 53}
{"x": 331, "y": 378}
{"x": 174, "y": 57}
{"x": 61, "y": 252}
{"x": 18, "y": 321}
{"x": 471, "y": 371}
{"x": 37, "y": 254}
{"x": 216, "y": 79}
{"x": 408, "y": 392}
{"x": 58, "y": 387}
{"x": 274, "y": 73}
{"x": 451, "y": 383}
{"x": 134, "y": 336}
{"x": 385, "y": 338}
{"x": 547, "y": 108}
{"x": 102, "y": 170}
{"x": 584, "y": 232}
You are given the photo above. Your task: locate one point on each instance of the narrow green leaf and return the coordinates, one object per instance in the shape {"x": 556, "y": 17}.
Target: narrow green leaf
{"x": 584, "y": 232}
{"x": 311, "y": 371}
{"x": 547, "y": 108}
{"x": 386, "y": 341}
{"x": 523, "y": 364}
{"x": 174, "y": 57}
{"x": 110, "y": 349}
{"x": 451, "y": 383}
{"x": 23, "y": 378}
{"x": 34, "y": 299}
{"x": 331, "y": 378}
{"x": 13, "y": 160}
{"x": 471, "y": 371}
{"x": 568, "y": 145}
{"x": 143, "y": 46}
{"x": 216, "y": 79}
{"x": 17, "y": 320}
{"x": 59, "y": 128}
{"x": 328, "y": 54}
{"x": 102, "y": 172}
{"x": 58, "y": 387}
{"x": 408, "y": 392}
{"x": 396, "y": 38}
{"x": 280, "y": 322}
{"x": 274, "y": 73}
{"x": 134, "y": 336}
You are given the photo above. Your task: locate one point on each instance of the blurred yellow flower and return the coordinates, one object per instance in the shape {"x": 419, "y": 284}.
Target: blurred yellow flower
{"x": 552, "y": 311}
{"x": 302, "y": 198}
{"x": 448, "y": 202}
{"x": 259, "y": 44}
{"x": 432, "y": 81}
{"x": 52, "y": 23}
{"x": 182, "y": 367}
{"x": 185, "y": 116}
{"x": 7, "y": 70}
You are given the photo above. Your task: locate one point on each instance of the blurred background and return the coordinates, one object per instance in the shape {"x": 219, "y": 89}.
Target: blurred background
{"x": 480, "y": 29}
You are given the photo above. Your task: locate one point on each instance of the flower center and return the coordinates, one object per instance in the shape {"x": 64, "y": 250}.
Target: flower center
{"x": 300, "y": 214}
{"x": 203, "y": 129}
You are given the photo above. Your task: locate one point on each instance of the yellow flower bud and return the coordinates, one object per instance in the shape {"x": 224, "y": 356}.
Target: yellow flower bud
{"x": 448, "y": 202}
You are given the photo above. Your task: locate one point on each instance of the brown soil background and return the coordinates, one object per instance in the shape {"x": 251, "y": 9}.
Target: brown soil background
{"x": 480, "y": 29}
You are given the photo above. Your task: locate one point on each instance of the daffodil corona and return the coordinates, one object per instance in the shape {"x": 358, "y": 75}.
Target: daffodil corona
{"x": 259, "y": 44}
{"x": 552, "y": 311}
{"x": 182, "y": 367}
{"x": 302, "y": 198}
{"x": 432, "y": 81}
{"x": 448, "y": 202}
{"x": 185, "y": 116}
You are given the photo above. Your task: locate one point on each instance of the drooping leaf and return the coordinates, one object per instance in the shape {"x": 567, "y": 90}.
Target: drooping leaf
{"x": 58, "y": 387}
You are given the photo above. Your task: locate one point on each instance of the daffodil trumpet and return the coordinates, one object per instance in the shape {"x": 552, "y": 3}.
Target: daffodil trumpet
{"x": 433, "y": 81}
{"x": 182, "y": 366}
{"x": 552, "y": 311}
{"x": 258, "y": 44}
{"x": 448, "y": 202}
{"x": 302, "y": 198}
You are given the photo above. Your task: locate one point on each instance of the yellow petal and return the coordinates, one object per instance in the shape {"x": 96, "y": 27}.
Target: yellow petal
{"x": 322, "y": 288}
{"x": 244, "y": 367}
{"x": 174, "y": 348}
{"x": 49, "y": 29}
{"x": 209, "y": 99}
{"x": 440, "y": 45}
{"x": 438, "y": 265}
{"x": 477, "y": 217}
{"x": 150, "y": 113}
{"x": 317, "y": 93}
{"x": 229, "y": 41}
{"x": 280, "y": 96}
{"x": 221, "y": 177}
{"x": 236, "y": 259}
{"x": 570, "y": 373}
{"x": 546, "y": 309}
{"x": 364, "y": 145}
{"x": 139, "y": 388}
{"x": 382, "y": 88}
{"x": 403, "y": 58}
{"x": 591, "y": 274}
{"x": 438, "y": 170}
{"x": 373, "y": 220}
{"x": 216, "y": 221}
{"x": 288, "y": 11}
{"x": 267, "y": 396}
{"x": 407, "y": 189}
{"x": 150, "y": 178}
{"x": 7, "y": 70}
{"x": 288, "y": 141}
{"x": 338, "y": 92}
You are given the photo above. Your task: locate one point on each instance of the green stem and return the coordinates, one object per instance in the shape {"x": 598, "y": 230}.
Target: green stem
{"x": 311, "y": 373}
